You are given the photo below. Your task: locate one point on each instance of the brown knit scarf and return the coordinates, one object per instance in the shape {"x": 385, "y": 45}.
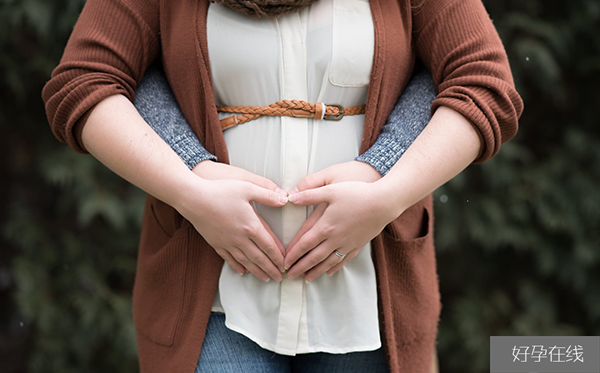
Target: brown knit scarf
{"x": 265, "y": 8}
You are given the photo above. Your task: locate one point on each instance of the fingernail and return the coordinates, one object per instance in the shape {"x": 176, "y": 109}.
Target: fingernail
{"x": 283, "y": 199}
{"x": 291, "y": 277}
{"x": 281, "y": 191}
{"x": 309, "y": 279}
{"x": 293, "y": 195}
{"x": 242, "y": 273}
{"x": 268, "y": 279}
{"x": 285, "y": 268}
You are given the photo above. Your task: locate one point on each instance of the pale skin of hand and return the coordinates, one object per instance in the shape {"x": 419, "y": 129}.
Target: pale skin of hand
{"x": 220, "y": 210}
{"x": 121, "y": 139}
{"x": 343, "y": 172}
{"x": 220, "y": 171}
{"x": 350, "y": 214}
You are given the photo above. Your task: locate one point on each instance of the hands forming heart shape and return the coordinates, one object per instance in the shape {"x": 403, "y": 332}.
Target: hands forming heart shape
{"x": 351, "y": 209}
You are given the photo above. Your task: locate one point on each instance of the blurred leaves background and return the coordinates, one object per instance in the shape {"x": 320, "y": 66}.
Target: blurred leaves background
{"x": 518, "y": 237}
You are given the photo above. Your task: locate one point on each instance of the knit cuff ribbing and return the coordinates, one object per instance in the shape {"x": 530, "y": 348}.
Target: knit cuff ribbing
{"x": 410, "y": 116}
{"x": 384, "y": 154}
{"x": 189, "y": 150}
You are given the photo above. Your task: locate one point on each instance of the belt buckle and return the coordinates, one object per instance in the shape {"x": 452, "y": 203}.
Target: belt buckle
{"x": 335, "y": 117}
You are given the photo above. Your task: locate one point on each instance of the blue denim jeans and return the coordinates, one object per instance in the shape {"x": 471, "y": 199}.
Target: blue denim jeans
{"x": 225, "y": 351}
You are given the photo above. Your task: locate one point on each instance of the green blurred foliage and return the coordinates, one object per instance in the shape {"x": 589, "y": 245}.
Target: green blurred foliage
{"x": 70, "y": 226}
{"x": 517, "y": 237}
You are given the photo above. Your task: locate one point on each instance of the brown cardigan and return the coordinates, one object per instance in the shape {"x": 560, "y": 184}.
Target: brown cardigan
{"x": 177, "y": 271}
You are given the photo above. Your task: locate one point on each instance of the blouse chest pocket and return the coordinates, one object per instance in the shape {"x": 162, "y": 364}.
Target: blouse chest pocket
{"x": 353, "y": 43}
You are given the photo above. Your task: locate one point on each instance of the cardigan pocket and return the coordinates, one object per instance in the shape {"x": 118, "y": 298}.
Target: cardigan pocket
{"x": 413, "y": 227}
{"x": 413, "y": 283}
{"x": 353, "y": 43}
{"x": 167, "y": 218}
{"x": 160, "y": 277}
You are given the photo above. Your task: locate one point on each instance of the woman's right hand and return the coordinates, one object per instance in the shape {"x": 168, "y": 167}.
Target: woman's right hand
{"x": 221, "y": 211}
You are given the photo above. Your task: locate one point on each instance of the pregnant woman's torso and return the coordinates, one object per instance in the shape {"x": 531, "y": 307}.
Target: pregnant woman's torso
{"x": 320, "y": 54}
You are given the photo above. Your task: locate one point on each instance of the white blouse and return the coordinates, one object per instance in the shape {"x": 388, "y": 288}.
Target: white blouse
{"x": 320, "y": 54}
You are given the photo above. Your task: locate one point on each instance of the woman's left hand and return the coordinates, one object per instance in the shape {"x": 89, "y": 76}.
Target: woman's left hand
{"x": 351, "y": 210}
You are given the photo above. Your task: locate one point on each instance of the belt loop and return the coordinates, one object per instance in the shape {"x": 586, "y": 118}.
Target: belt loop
{"x": 320, "y": 110}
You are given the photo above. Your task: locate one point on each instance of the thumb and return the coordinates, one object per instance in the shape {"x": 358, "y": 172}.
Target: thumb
{"x": 260, "y": 181}
{"x": 265, "y": 196}
{"x": 312, "y": 181}
{"x": 311, "y": 196}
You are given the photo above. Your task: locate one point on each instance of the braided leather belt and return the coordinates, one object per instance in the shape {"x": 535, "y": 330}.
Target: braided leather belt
{"x": 288, "y": 108}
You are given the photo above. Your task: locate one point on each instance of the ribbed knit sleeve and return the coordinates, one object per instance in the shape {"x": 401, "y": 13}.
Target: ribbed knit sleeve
{"x": 156, "y": 103}
{"x": 408, "y": 119}
{"x": 111, "y": 45}
{"x": 458, "y": 43}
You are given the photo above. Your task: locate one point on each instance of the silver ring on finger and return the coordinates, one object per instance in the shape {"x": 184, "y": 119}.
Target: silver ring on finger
{"x": 342, "y": 256}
